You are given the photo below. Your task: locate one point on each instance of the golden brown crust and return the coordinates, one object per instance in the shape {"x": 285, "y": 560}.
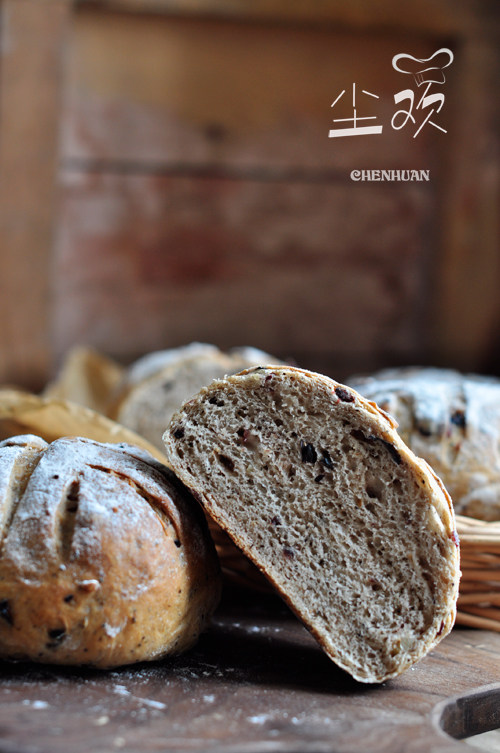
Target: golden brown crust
{"x": 105, "y": 558}
{"x": 86, "y": 377}
{"x": 52, "y": 418}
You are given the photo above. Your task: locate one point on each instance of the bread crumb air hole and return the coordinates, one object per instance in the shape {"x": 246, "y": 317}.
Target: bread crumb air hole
{"x": 226, "y": 462}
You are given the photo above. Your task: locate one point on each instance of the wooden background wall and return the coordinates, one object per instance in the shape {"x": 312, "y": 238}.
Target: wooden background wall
{"x": 166, "y": 176}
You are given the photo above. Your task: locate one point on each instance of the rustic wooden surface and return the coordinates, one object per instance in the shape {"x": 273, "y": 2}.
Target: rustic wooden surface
{"x": 271, "y": 215}
{"x": 256, "y": 682}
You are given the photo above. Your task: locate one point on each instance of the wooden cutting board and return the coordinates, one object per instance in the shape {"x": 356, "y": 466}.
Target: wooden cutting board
{"x": 255, "y": 682}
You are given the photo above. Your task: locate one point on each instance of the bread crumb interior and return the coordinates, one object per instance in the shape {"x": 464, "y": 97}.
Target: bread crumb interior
{"x": 330, "y": 509}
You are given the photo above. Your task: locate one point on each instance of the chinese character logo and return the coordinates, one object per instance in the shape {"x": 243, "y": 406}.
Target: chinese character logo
{"x": 426, "y": 72}
{"x": 355, "y": 129}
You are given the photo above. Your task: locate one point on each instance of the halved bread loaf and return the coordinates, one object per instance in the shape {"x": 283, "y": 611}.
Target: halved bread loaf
{"x": 317, "y": 488}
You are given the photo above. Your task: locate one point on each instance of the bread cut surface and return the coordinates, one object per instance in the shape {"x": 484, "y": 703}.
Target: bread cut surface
{"x": 157, "y": 385}
{"x": 105, "y": 558}
{"x": 453, "y": 421}
{"x": 317, "y": 488}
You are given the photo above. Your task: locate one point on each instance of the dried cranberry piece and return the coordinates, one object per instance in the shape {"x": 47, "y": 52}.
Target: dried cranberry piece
{"x": 344, "y": 395}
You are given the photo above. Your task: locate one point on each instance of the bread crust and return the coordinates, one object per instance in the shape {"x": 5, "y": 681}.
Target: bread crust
{"x": 53, "y": 418}
{"x": 382, "y": 428}
{"x": 86, "y": 377}
{"x": 105, "y": 558}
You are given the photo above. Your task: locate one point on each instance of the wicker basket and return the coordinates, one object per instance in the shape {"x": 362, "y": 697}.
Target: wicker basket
{"x": 479, "y": 598}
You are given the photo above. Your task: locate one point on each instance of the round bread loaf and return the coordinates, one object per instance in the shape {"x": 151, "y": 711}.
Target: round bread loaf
{"x": 453, "y": 421}
{"x": 152, "y": 363}
{"x": 105, "y": 558}
{"x": 315, "y": 486}
{"x": 157, "y": 385}
{"x": 86, "y": 377}
{"x": 50, "y": 419}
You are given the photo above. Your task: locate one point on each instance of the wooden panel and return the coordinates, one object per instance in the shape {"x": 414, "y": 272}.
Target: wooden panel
{"x": 467, "y": 302}
{"x": 331, "y": 275}
{"x": 197, "y": 168}
{"x": 30, "y": 69}
{"x": 172, "y": 93}
{"x": 180, "y": 96}
{"x": 428, "y": 16}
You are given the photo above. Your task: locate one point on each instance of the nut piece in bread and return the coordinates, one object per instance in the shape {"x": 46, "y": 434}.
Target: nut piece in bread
{"x": 105, "y": 559}
{"x": 315, "y": 486}
{"x": 453, "y": 421}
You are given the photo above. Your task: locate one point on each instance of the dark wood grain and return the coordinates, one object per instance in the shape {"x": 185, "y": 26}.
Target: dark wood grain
{"x": 256, "y": 682}
{"x": 473, "y": 714}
